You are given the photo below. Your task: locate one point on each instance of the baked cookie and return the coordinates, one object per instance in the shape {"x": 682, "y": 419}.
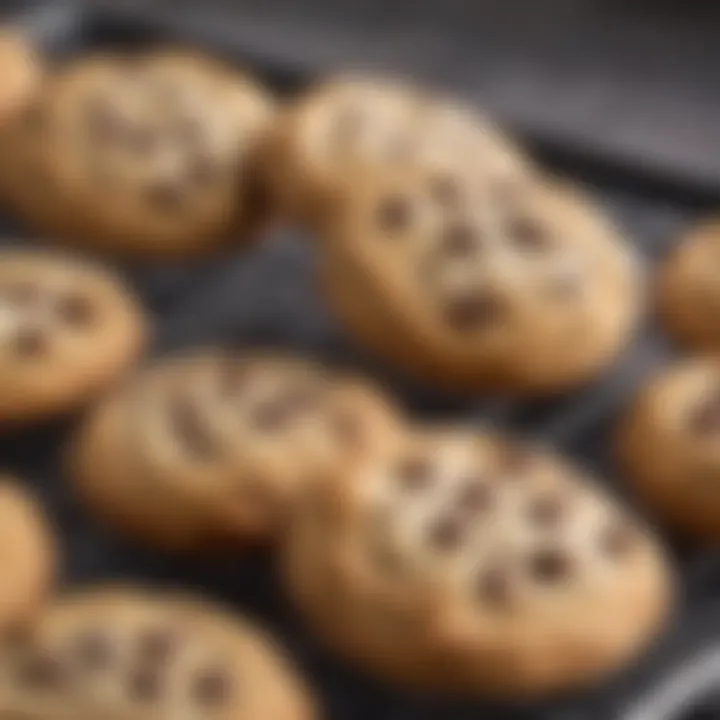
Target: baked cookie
{"x": 470, "y": 564}
{"x": 149, "y": 155}
{"x": 668, "y": 446}
{"x": 363, "y": 121}
{"x": 472, "y": 289}
{"x": 129, "y": 653}
{"x": 209, "y": 451}
{"x": 68, "y": 329}
{"x": 26, "y": 556}
{"x": 689, "y": 288}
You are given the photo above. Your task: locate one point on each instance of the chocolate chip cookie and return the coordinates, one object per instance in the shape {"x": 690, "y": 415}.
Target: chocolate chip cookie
{"x": 148, "y": 155}
{"x": 474, "y": 565}
{"x": 364, "y": 121}
{"x": 668, "y": 446}
{"x": 132, "y": 653}
{"x": 209, "y": 451}
{"x": 689, "y": 288}
{"x": 68, "y": 329}
{"x": 473, "y": 289}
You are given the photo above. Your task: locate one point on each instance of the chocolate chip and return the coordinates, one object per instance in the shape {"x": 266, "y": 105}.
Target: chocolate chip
{"x": 212, "y": 687}
{"x": 75, "y": 309}
{"x": 30, "y": 342}
{"x": 618, "y": 539}
{"x": 144, "y": 684}
{"x": 473, "y": 311}
{"x": 494, "y": 587}
{"x": 393, "y": 213}
{"x": 94, "y": 650}
{"x": 189, "y": 427}
{"x": 705, "y": 419}
{"x": 156, "y": 645}
{"x": 166, "y": 195}
{"x": 547, "y": 510}
{"x": 415, "y": 473}
{"x": 446, "y": 533}
{"x": 474, "y": 496}
{"x": 42, "y": 671}
{"x": 550, "y": 566}
{"x": 528, "y": 234}
{"x": 444, "y": 190}
{"x": 459, "y": 240}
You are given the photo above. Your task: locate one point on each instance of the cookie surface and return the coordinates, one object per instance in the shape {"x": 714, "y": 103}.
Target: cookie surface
{"x": 689, "y": 288}
{"x": 210, "y": 450}
{"x": 363, "y": 121}
{"x": 473, "y": 565}
{"x": 26, "y": 555}
{"x": 148, "y": 155}
{"x": 130, "y": 653}
{"x": 668, "y": 446}
{"x": 67, "y": 330}
{"x": 471, "y": 289}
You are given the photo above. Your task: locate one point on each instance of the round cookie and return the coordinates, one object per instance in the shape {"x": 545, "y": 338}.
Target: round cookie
{"x": 68, "y": 329}
{"x": 668, "y": 445}
{"x": 471, "y": 289}
{"x": 689, "y": 288}
{"x": 130, "y": 653}
{"x": 368, "y": 122}
{"x": 149, "y": 155}
{"x": 468, "y": 564}
{"x": 26, "y": 556}
{"x": 209, "y": 451}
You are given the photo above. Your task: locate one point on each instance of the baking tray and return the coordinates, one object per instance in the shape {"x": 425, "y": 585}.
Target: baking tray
{"x": 265, "y": 297}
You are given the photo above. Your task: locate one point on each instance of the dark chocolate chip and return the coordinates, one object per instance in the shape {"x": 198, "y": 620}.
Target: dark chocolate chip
{"x": 77, "y": 310}
{"x": 30, "y": 342}
{"x": 447, "y": 533}
{"x": 547, "y": 510}
{"x": 474, "y": 497}
{"x": 156, "y": 646}
{"x": 144, "y": 684}
{"x": 42, "y": 671}
{"x": 618, "y": 539}
{"x": 212, "y": 687}
{"x": 494, "y": 587}
{"x": 705, "y": 419}
{"x": 459, "y": 240}
{"x": 415, "y": 473}
{"x": 550, "y": 566}
{"x": 473, "y": 311}
{"x": 94, "y": 650}
{"x": 189, "y": 427}
{"x": 528, "y": 234}
{"x": 393, "y": 213}
{"x": 444, "y": 190}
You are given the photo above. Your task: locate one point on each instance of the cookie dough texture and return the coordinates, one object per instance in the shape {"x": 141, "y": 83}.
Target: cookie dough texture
{"x": 68, "y": 330}
{"x": 210, "y": 451}
{"x": 148, "y": 155}
{"x": 471, "y": 565}
{"x": 27, "y": 557}
{"x": 472, "y": 290}
{"x": 668, "y": 446}
{"x": 689, "y": 288}
{"x": 130, "y": 653}
{"x": 361, "y": 121}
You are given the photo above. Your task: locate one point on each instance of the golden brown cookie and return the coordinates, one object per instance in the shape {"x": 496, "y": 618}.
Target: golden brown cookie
{"x": 689, "y": 288}
{"x": 209, "y": 451}
{"x": 120, "y": 652}
{"x": 470, "y": 564}
{"x": 350, "y": 122}
{"x": 148, "y": 155}
{"x": 668, "y": 444}
{"x": 472, "y": 289}
{"x": 68, "y": 329}
{"x": 26, "y": 555}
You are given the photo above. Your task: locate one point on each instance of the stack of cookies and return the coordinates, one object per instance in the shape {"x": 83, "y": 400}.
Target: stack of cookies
{"x": 442, "y": 557}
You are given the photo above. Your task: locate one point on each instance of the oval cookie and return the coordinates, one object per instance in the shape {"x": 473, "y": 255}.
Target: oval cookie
{"x": 469, "y": 564}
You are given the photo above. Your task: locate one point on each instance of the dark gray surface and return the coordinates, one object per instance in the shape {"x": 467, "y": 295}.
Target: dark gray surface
{"x": 267, "y": 297}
